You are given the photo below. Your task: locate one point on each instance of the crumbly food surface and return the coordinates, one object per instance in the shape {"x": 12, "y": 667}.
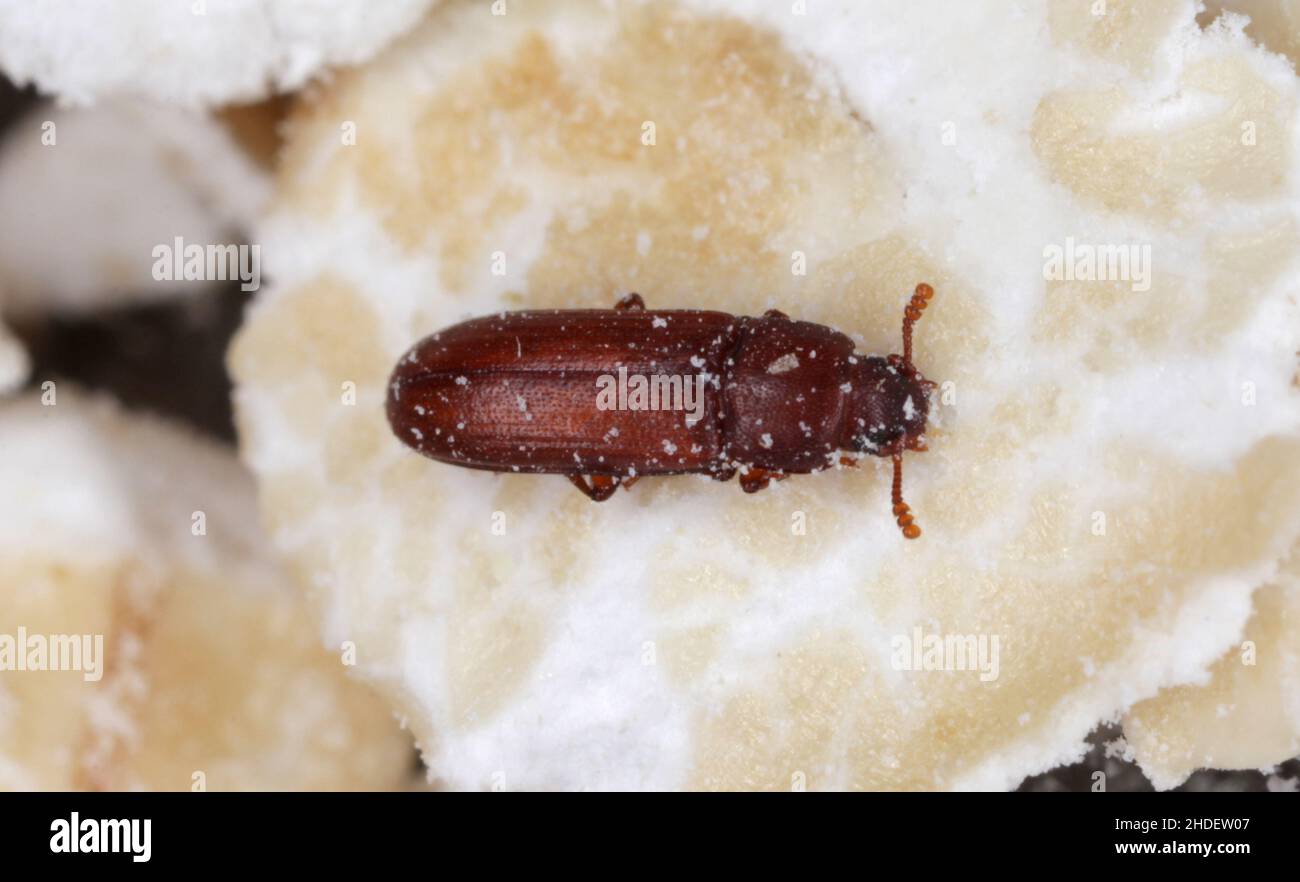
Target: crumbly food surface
{"x": 1113, "y": 464}
{"x": 195, "y": 53}
{"x": 89, "y": 196}
{"x": 198, "y": 665}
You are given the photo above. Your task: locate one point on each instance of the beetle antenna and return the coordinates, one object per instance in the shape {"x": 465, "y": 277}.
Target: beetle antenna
{"x": 915, "y": 307}
{"x": 901, "y": 510}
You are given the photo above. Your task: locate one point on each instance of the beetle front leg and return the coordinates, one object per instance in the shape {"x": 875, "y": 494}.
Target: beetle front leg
{"x": 631, "y": 301}
{"x": 600, "y": 488}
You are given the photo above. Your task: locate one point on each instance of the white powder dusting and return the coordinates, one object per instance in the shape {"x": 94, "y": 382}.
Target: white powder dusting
{"x": 784, "y": 364}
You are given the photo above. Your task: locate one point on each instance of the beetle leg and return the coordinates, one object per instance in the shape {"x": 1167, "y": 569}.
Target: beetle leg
{"x": 581, "y": 483}
{"x": 628, "y": 482}
{"x": 775, "y": 313}
{"x": 631, "y": 301}
{"x": 756, "y": 479}
{"x": 600, "y": 488}
{"x": 724, "y": 474}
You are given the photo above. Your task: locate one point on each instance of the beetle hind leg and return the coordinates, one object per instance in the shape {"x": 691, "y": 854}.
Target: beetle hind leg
{"x": 597, "y": 488}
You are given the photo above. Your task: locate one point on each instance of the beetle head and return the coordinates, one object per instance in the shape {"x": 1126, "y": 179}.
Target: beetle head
{"x": 890, "y": 407}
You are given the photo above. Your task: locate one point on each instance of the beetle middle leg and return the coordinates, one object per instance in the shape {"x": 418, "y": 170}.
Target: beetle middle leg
{"x": 755, "y": 479}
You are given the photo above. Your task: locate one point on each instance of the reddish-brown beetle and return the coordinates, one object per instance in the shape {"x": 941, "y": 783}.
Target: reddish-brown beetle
{"x": 606, "y": 396}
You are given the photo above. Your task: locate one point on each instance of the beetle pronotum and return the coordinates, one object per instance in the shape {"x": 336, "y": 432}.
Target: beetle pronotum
{"x": 548, "y": 391}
